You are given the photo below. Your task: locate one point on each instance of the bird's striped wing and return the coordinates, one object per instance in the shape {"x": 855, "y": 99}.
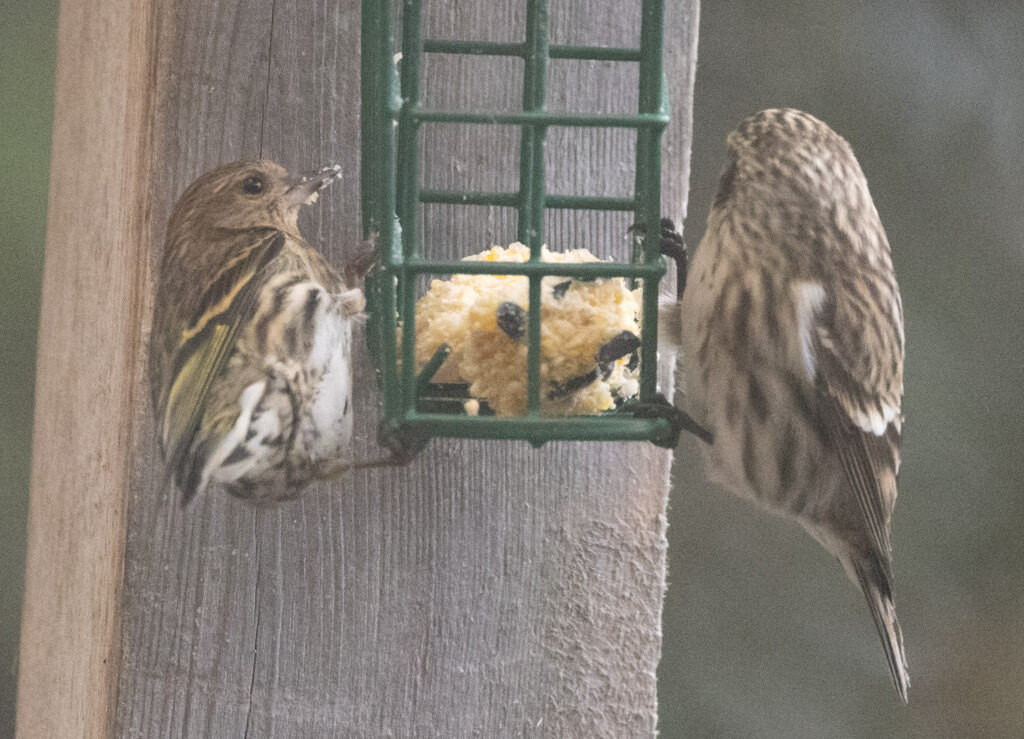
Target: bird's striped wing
{"x": 205, "y": 346}
{"x": 869, "y": 465}
{"x": 858, "y": 349}
{"x": 860, "y": 382}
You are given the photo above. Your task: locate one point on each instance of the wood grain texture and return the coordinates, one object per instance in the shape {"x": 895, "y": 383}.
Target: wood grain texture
{"x": 488, "y": 589}
{"x": 93, "y": 280}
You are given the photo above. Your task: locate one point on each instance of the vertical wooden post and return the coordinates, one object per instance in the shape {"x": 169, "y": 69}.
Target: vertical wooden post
{"x": 487, "y": 589}
{"x": 94, "y": 283}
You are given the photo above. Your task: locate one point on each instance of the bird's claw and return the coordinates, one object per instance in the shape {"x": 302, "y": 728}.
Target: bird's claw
{"x": 671, "y": 245}
{"x": 362, "y": 261}
{"x": 679, "y": 421}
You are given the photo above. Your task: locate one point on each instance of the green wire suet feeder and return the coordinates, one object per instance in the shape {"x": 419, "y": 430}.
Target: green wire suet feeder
{"x": 416, "y": 408}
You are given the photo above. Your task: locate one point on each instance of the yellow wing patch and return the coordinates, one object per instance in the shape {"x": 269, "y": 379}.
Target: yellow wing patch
{"x": 183, "y": 396}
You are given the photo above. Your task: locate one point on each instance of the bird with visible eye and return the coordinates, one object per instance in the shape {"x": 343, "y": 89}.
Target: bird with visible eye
{"x": 250, "y": 355}
{"x": 792, "y": 339}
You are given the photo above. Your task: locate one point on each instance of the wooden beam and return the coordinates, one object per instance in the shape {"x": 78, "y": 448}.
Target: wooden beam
{"x": 94, "y": 281}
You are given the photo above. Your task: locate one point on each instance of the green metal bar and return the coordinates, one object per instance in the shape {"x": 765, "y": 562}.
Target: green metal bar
{"x": 475, "y": 48}
{"x": 378, "y": 94}
{"x": 532, "y": 181}
{"x": 431, "y": 367}
{"x": 648, "y": 181}
{"x": 594, "y": 53}
{"x": 582, "y": 270}
{"x": 457, "y": 197}
{"x": 555, "y": 51}
{"x": 527, "y": 118}
{"x": 539, "y": 428}
{"x": 511, "y": 200}
{"x": 408, "y": 190}
{"x": 589, "y": 202}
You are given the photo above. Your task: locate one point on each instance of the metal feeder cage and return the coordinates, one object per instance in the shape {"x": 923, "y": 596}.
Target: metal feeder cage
{"x": 417, "y": 409}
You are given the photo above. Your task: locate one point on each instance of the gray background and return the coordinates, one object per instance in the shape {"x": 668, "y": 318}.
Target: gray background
{"x": 763, "y": 634}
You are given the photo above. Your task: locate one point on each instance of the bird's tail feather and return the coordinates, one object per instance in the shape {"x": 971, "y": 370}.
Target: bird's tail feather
{"x": 877, "y": 588}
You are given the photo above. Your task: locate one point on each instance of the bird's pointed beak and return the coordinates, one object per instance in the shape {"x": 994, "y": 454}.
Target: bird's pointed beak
{"x": 305, "y": 191}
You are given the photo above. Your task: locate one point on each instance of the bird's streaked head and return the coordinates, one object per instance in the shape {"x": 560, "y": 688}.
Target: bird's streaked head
{"x": 784, "y": 154}
{"x": 249, "y": 194}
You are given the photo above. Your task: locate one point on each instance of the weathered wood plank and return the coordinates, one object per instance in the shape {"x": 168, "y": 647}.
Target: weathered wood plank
{"x": 93, "y": 282}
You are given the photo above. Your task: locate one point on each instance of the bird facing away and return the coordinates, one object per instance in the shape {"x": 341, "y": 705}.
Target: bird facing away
{"x": 792, "y": 331}
{"x": 250, "y": 365}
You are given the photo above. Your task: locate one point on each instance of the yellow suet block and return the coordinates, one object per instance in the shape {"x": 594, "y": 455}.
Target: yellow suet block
{"x": 585, "y": 327}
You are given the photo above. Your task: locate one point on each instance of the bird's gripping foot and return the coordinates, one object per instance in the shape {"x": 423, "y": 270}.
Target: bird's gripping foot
{"x": 679, "y": 420}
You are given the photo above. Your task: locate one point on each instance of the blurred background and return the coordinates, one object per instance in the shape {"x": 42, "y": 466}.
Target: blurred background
{"x": 764, "y": 636}
{"x": 28, "y": 36}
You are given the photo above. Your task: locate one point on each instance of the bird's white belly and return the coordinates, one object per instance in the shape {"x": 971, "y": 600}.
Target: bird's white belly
{"x": 295, "y": 424}
{"x": 327, "y": 416}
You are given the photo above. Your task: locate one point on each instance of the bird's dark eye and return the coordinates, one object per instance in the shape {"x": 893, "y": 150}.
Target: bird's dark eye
{"x": 252, "y": 185}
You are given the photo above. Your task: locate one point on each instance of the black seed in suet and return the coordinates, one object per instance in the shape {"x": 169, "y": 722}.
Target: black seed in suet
{"x": 511, "y": 320}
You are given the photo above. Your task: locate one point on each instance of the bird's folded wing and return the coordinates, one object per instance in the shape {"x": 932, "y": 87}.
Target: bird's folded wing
{"x": 858, "y": 373}
{"x": 206, "y": 344}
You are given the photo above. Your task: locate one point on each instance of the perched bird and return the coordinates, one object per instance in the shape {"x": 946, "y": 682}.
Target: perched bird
{"x": 792, "y": 339}
{"x": 250, "y": 355}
